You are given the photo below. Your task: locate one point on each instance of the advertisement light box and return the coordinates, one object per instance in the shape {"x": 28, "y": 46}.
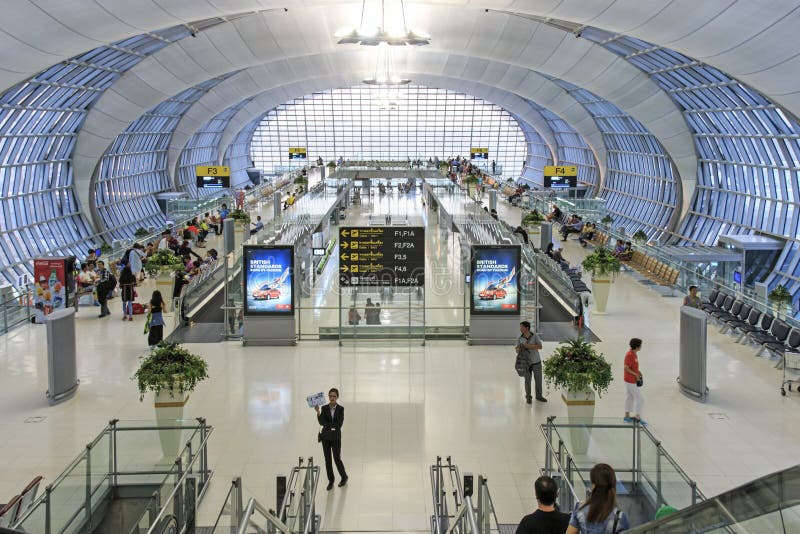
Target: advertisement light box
{"x": 495, "y": 280}
{"x": 268, "y": 280}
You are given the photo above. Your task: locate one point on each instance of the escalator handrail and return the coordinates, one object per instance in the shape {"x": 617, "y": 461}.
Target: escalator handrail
{"x": 252, "y": 507}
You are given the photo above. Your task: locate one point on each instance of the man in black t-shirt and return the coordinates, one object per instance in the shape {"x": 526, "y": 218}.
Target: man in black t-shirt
{"x": 546, "y": 519}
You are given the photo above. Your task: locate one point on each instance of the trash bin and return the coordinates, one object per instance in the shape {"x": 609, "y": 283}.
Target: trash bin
{"x": 61, "y": 355}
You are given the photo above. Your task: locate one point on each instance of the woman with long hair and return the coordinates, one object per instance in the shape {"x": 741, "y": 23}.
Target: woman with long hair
{"x": 155, "y": 307}
{"x": 599, "y": 513}
{"x": 127, "y": 281}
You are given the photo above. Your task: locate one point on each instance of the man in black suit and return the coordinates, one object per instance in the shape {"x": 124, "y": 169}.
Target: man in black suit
{"x": 331, "y": 419}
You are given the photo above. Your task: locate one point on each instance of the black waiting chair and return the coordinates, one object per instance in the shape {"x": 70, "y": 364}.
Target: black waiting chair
{"x": 724, "y": 309}
{"x": 764, "y": 326}
{"x": 738, "y": 318}
{"x": 711, "y": 298}
{"x": 792, "y": 344}
{"x": 733, "y": 313}
{"x": 777, "y": 334}
{"x": 717, "y": 304}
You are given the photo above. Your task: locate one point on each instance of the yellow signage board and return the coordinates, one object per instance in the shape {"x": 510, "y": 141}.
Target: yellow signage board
{"x": 560, "y": 170}
{"x": 297, "y": 152}
{"x": 207, "y": 170}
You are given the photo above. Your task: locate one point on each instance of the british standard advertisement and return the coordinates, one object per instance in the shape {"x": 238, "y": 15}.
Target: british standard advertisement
{"x": 268, "y": 278}
{"x": 495, "y": 280}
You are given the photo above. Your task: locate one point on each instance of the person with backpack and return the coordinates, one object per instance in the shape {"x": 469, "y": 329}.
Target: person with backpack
{"x": 154, "y": 326}
{"x": 127, "y": 282}
{"x": 529, "y": 363}
{"x": 106, "y": 282}
{"x": 599, "y": 513}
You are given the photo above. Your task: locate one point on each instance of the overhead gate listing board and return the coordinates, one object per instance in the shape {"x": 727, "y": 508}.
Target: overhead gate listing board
{"x": 382, "y": 256}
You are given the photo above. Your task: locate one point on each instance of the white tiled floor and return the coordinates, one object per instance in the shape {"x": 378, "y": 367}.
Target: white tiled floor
{"x": 405, "y": 405}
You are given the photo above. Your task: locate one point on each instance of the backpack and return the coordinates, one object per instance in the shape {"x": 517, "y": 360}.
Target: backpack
{"x": 112, "y": 281}
{"x": 521, "y": 363}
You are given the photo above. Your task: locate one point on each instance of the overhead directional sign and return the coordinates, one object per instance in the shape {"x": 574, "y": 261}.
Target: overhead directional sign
{"x": 212, "y": 170}
{"x": 382, "y": 256}
{"x": 560, "y": 170}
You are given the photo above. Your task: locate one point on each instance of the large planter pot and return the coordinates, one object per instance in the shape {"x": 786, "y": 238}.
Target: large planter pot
{"x": 241, "y": 233}
{"x": 601, "y": 287}
{"x": 580, "y": 411}
{"x": 169, "y": 405}
{"x": 165, "y": 283}
{"x": 534, "y": 235}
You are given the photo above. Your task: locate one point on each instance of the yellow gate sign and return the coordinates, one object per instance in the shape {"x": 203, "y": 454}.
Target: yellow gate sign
{"x": 297, "y": 152}
{"x": 206, "y": 170}
{"x": 560, "y": 170}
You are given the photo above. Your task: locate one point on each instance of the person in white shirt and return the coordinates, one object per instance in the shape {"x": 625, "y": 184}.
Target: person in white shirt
{"x": 164, "y": 243}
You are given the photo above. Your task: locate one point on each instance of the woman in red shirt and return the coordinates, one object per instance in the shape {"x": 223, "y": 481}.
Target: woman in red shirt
{"x": 633, "y": 393}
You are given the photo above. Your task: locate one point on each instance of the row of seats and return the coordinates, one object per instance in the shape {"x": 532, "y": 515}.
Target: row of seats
{"x": 654, "y": 270}
{"x": 16, "y": 507}
{"x": 736, "y": 316}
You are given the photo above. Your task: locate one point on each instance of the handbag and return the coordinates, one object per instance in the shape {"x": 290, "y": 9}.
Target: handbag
{"x": 147, "y": 322}
{"x": 640, "y": 382}
{"x": 319, "y": 436}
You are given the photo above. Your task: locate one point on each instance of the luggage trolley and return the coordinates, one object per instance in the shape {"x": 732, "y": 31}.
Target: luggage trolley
{"x": 791, "y": 360}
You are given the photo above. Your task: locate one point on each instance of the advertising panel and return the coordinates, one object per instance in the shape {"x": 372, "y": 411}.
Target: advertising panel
{"x": 495, "y": 280}
{"x": 213, "y": 182}
{"x": 268, "y": 279}
{"x": 50, "y": 284}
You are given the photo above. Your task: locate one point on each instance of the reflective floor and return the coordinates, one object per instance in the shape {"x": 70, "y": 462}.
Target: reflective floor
{"x": 405, "y": 404}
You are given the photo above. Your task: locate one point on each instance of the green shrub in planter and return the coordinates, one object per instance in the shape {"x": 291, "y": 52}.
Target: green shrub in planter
{"x": 780, "y": 296}
{"x": 606, "y": 221}
{"x": 170, "y": 366}
{"x": 601, "y": 263}
{"x": 106, "y": 249}
{"x": 576, "y": 366}
{"x": 300, "y": 180}
{"x": 471, "y": 179}
{"x": 141, "y": 232}
{"x": 532, "y": 218}
{"x": 240, "y": 216}
{"x": 639, "y": 237}
{"x": 163, "y": 261}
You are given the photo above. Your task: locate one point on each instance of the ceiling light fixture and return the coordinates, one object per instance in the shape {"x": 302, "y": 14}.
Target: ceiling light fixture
{"x": 375, "y": 35}
{"x": 384, "y": 70}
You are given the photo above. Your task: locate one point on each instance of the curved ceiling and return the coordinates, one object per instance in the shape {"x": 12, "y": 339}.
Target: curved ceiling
{"x": 761, "y": 51}
{"x": 492, "y": 48}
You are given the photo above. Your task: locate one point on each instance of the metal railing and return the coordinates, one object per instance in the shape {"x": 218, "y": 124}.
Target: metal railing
{"x": 126, "y": 454}
{"x": 639, "y": 459}
{"x": 454, "y": 509}
{"x": 16, "y": 310}
{"x": 296, "y": 513}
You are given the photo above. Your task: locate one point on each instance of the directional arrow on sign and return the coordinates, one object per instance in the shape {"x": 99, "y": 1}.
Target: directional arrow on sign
{"x": 345, "y": 233}
{"x": 345, "y": 256}
{"x": 344, "y": 269}
{"x": 345, "y": 245}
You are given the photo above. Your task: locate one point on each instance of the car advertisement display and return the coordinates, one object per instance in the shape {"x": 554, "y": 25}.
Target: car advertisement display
{"x": 495, "y": 280}
{"x": 268, "y": 278}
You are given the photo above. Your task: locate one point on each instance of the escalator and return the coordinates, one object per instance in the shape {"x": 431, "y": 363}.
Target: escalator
{"x": 770, "y": 504}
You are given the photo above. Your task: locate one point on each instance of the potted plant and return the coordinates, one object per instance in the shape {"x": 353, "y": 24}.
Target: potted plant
{"x": 580, "y": 371}
{"x": 532, "y": 221}
{"x": 163, "y": 263}
{"x": 331, "y": 164}
{"x": 603, "y": 266}
{"x": 607, "y": 221}
{"x": 171, "y": 372}
{"x": 639, "y": 237}
{"x": 300, "y": 180}
{"x": 105, "y": 249}
{"x": 141, "y": 232}
{"x": 780, "y": 298}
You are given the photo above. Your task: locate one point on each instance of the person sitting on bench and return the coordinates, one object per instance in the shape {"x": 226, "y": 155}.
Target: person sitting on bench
{"x": 574, "y": 225}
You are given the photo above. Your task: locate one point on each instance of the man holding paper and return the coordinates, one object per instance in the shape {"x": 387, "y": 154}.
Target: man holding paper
{"x": 331, "y": 418}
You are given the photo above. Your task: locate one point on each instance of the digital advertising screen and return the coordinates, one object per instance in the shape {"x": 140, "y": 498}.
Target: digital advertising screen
{"x": 213, "y": 182}
{"x": 268, "y": 280}
{"x": 495, "y": 280}
{"x": 560, "y": 182}
{"x": 478, "y": 153}
{"x": 296, "y": 152}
